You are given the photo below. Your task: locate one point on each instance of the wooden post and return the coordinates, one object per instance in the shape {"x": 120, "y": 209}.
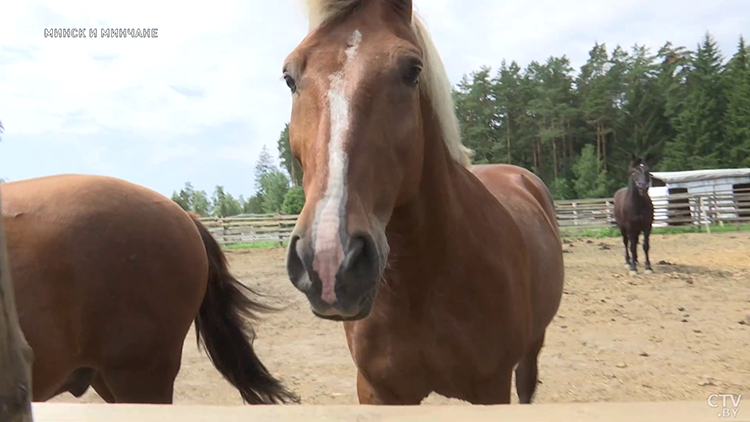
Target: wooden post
{"x": 715, "y": 209}
{"x": 705, "y": 213}
{"x": 575, "y": 214}
{"x": 695, "y": 217}
{"x": 15, "y": 354}
{"x": 608, "y": 212}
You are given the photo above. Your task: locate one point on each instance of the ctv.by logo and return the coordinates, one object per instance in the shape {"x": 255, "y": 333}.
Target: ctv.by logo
{"x": 714, "y": 400}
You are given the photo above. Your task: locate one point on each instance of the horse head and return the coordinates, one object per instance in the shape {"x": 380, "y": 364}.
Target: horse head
{"x": 359, "y": 83}
{"x": 639, "y": 173}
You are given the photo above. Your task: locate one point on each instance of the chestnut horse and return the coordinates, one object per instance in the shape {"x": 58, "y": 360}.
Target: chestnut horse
{"x": 15, "y": 354}
{"x": 634, "y": 211}
{"x": 446, "y": 278}
{"x": 109, "y": 277}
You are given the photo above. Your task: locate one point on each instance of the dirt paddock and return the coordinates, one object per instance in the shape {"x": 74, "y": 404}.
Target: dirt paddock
{"x": 678, "y": 334}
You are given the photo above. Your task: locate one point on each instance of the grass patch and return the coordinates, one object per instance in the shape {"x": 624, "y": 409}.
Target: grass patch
{"x": 256, "y": 245}
{"x": 615, "y": 232}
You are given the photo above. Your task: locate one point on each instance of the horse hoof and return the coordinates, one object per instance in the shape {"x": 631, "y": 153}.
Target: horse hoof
{"x": 633, "y": 273}
{"x": 649, "y": 271}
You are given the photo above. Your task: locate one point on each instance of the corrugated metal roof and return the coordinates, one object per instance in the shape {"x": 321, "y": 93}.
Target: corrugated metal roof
{"x": 696, "y": 175}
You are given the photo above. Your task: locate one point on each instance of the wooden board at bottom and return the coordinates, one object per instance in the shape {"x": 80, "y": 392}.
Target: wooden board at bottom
{"x": 611, "y": 412}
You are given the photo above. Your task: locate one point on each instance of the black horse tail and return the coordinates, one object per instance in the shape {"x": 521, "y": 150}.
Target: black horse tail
{"x": 221, "y": 330}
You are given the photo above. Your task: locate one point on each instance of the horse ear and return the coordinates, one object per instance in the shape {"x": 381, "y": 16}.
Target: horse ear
{"x": 633, "y": 157}
{"x": 647, "y": 158}
{"x": 404, "y": 8}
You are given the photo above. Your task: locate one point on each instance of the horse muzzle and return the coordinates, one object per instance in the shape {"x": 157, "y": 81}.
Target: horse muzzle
{"x": 339, "y": 279}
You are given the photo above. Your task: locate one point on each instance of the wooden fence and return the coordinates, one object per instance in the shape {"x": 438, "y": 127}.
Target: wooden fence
{"x": 699, "y": 209}
{"x": 702, "y": 209}
{"x": 251, "y": 228}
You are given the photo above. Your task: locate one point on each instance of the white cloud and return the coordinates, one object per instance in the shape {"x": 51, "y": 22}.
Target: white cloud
{"x": 160, "y": 154}
{"x": 230, "y": 53}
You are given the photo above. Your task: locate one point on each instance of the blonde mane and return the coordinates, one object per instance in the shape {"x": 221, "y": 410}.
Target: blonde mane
{"x": 433, "y": 80}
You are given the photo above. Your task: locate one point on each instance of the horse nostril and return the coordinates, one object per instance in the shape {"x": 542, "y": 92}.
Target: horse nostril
{"x": 361, "y": 259}
{"x": 356, "y": 247}
{"x": 295, "y": 268}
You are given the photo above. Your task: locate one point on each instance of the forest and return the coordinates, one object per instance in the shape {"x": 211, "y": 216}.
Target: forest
{"x": 275, "y": 192}
{"x": 687, "y": 109}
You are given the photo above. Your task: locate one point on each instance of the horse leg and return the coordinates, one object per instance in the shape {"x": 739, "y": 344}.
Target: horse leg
{"x": 493, "y": 391}
{"x": 101, "y": 388}
{"x": 77, "y": 383}
{"x": 634, "y": 249}
{"x": 646, "y": 247}
{"x": 368, "y": 394}
{"x": 527, "y": 373}
{"x": 624, "y": 234}
{"x": 149, "y": 380}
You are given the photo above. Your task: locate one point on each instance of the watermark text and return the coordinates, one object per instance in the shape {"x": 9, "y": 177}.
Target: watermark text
{"x": 101, "y": 32}
{"x": 728, "y": 404}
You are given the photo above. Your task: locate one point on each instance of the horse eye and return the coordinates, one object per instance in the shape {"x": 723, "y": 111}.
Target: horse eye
{"x": 290, "y": 83}
{"x": 412, "y": 75}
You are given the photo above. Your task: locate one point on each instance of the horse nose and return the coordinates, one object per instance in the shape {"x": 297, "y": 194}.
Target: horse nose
{"x": 336, "y": 277}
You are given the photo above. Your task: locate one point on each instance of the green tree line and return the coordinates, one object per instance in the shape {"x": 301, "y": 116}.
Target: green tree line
{"x": 688, "y": 109}
{"x": 275, "y": 192}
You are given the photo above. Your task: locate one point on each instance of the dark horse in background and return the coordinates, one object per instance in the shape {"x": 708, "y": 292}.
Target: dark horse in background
{"x": 108, "y": 277}
{"x": 634, "y": 211}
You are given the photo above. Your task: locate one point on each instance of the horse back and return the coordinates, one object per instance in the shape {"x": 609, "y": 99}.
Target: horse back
{"x": 522, "y": 192}
{"x": 530, "y": 204}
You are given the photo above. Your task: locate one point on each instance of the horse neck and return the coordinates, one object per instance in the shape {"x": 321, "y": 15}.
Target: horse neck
{"x": 426, "y": 231}
{"x": 633, "y": 193}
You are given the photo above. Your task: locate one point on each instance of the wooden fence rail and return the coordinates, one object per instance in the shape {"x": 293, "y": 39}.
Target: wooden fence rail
{"x": 684, "y": 411}
{"x": 700, "y": 209}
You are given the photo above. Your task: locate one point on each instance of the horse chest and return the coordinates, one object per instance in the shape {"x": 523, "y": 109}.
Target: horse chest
{"x": 441, "y": 350}
{"x": 641, "y": 215}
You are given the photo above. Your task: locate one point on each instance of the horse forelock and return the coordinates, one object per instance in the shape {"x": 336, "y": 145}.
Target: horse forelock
{"x": 433, "y": 80}
{"x": 320, "y": 12}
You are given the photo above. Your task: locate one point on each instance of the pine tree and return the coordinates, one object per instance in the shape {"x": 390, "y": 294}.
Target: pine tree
{"x": 700, "y": 139}
{"x": 479, "y": 123}
{"x": 287, "y": 159}
{"x": 642, "y": 124}
{"x": 737, "y": 82}
{"x": 507, "y": 85}
{"x": 597, "y": 94}
{"x": 591, "y": 179}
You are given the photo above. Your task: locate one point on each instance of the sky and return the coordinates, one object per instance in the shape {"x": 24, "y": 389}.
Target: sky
{"x": 200, "y": 101}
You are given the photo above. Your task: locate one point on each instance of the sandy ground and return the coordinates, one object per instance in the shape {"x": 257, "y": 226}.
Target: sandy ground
{"x": 678, "y": 334}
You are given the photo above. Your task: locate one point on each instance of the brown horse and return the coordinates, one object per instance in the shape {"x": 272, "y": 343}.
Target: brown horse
{"x": 446, "y": 279}
{"x": 634, "y": 211}
{"x": 15, "y": 354}
{"x": 109, "y": 277}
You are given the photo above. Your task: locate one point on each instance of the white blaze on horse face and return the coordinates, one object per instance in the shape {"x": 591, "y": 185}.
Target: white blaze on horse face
{"x": 329, "y": 252}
